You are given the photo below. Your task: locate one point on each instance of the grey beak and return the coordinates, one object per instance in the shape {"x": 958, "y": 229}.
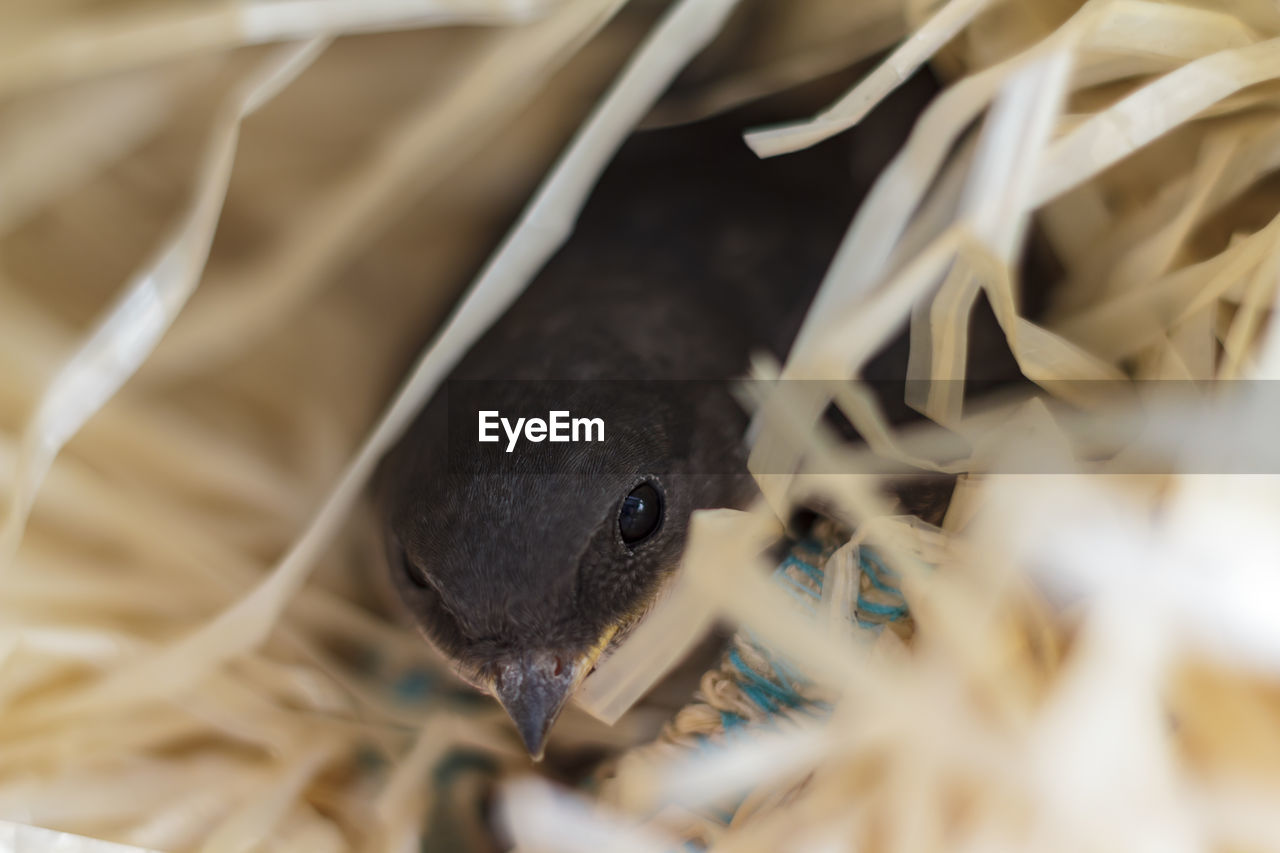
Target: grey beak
{"x": 533, "y": 690}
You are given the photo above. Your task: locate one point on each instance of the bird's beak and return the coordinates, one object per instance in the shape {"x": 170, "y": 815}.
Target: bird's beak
{"x": 534, "y": 689}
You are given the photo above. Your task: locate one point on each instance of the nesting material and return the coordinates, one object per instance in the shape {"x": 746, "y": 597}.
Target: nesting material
{"x": 212, "y": 265}
{"x": 751, "y": 690}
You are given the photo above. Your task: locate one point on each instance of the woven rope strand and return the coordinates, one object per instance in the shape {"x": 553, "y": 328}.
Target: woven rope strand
{"x": 751, "y": 687}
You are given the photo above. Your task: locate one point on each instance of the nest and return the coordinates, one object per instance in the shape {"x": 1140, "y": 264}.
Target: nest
{"x": 225, "y": 227}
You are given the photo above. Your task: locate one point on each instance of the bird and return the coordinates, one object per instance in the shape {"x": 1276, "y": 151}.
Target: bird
{"x": 525, "y": 569}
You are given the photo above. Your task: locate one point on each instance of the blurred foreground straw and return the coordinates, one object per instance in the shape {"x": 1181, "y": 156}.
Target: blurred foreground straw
{"x": 1094, "y": 663}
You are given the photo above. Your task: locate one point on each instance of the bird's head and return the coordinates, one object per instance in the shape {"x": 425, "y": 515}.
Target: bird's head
{"x": 525, "y": 579}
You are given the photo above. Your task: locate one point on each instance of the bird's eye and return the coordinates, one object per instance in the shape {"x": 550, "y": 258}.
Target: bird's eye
{"x": 641, "y": 514}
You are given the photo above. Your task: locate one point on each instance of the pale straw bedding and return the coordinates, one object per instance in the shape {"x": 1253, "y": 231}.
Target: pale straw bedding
{"x": 1095, "y": 653}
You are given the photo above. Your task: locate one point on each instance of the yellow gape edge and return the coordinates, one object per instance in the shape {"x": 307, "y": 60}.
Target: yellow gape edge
{"x": 587, "y": 662}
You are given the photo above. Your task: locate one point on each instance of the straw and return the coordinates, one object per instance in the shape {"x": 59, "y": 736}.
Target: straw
{"x": 147, "y": 306}
{"x": 190, "y": 657}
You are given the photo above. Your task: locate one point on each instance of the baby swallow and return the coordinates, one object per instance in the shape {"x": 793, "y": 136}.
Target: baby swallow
{"x": 690, "y": 254}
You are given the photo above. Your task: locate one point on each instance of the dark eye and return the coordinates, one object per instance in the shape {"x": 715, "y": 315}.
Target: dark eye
{"x": 641, "y": 514}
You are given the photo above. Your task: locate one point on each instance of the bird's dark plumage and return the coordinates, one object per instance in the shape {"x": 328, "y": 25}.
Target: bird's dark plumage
{"x": 690, "y": 254}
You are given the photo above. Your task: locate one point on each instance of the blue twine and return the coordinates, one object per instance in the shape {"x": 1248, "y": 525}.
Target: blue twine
{"x": 801, "y": 593}
{"x": 763, "y": 691}
{"x": 814, "y": 573}
{"x": 894, "y": 611}
{"x": 874, "y": 569}
{"x": 414, "y": 686}
{"x": 772, "y": 694}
